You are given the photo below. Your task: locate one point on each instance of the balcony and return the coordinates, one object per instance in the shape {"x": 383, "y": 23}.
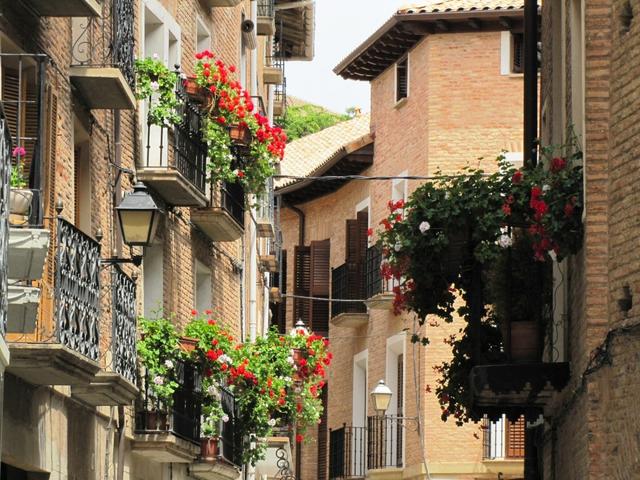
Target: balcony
{"x": 174, "y": 436}
{"x": 266, "y": 24}
{"x": 175, "y": 157}
{"x": 66, "y": 8}
{"x": 229, "y": 461}
{"x": 221, "y": 3}
{"x": 503, "y": 446}
{"x": 376, "y": 288}
{"x": 268, "y": 262}
{"x": 355, "y": 452}
{"x": 102, "y": 57}
{"x": 347, "y": 282}
{"x": 280, "y": 102}
{"x": 63, "y": 348}
{"x": 278, "y": 460}
{"x": 223, "y": 219}
{"x": 116, "y": 385}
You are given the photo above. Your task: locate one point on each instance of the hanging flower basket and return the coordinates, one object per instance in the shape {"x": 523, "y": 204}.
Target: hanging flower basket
{"x": 157, "y": 420}
{"x": 240, "y": 134}
{"x": 209, "y": 449}
{"x": 299, "y": 361}
{"x": 195, "y": 91}
{"x": 188, "y": 344}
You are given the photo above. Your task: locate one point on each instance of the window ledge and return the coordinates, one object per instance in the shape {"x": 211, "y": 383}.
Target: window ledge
{"x": 401, "y": 103}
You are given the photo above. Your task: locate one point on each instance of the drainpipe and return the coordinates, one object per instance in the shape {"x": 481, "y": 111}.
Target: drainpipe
{"x": 301, "y": 220}
{"x": 530, "y": 82}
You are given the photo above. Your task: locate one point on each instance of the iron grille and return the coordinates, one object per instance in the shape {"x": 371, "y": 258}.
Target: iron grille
{"x": 232, "y": 200}
{"x": 347, "y": 452}
{"x": 346, "y": 284}
{"x": 502, "y": 439}
{"x": 266, "y": 8}
{"x": 230, "y": 440}
{"x": 373, "y": 278}
{"x": 384, "y": 442}
{"x": 5, "y": 168}
{"x": 124, "y": 324}
{"x": 77, "y": 290}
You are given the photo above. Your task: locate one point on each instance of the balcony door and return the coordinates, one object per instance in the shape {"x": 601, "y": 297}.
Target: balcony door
{"x": 357, "y": 440}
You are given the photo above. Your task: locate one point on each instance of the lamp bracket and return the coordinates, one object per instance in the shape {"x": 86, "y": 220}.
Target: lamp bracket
{"x": 135, "y": 260}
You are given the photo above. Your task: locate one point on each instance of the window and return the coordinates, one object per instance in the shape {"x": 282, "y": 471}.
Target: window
{"x": 203, "y": 36}
{"x": 153, "y": 275}
{"x": 402, "y": 79}
{"x": 82, "y": 176}
{"x": 203, "y": 300}
{"x": 312, "y": 274}
{"x": 503, "y": 439}
{"x": 511, "y": 53}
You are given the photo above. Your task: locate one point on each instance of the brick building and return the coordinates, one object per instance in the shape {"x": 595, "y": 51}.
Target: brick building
{"x": 73, "y": 389}
{"x": 434, "y": 73}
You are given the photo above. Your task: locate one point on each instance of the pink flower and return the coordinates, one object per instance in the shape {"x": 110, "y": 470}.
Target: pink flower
{"x": 19, "y": 151}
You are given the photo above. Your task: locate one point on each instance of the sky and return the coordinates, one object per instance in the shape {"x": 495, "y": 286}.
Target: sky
{"x": 341, "y": 25}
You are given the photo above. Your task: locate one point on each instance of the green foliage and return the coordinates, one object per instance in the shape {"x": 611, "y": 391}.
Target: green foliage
{"x": 17, "y": 179}
{"x": 306, "y": 119}
{"x": 156, "y": 83}
{"x": 159, "y": 352}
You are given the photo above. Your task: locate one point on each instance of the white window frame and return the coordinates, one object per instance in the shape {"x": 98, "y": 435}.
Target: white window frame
{"x": 153, "y": 272}
{"x": 200, "y": 270}
{"x": 396, "y": 346}
{"x": 360, "y": 397}
{"x": 506, "y": 55}
{"x": 201, "y": 26}
{"x": 362, "y": 206}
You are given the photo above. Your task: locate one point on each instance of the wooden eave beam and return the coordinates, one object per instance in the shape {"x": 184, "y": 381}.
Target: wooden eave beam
{"x": 505, "y": 22}
{"x": 442, "y": 25}
{"x": 474, "y": 23}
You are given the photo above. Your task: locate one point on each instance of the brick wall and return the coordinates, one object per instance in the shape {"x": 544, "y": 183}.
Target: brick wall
{"x": 459, "y": 108}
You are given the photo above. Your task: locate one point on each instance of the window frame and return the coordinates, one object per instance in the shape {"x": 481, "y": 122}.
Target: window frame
{"x": 397, "y": 98}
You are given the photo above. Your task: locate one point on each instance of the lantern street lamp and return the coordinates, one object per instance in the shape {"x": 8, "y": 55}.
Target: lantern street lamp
{"x": 299, "y": 327}
{"x": 380, "y": 397}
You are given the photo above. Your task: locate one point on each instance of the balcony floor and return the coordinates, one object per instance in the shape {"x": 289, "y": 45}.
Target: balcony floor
{"x": 380, "y": 301}
{"x": 102, "y": 87}
{"x": 67, "y": 8}
{"x": 106, "y": 389}
{"x": 219, "y": 470}
{"x": 164, "y": 447}
{"x": 217, "y": 224}
{"x": 50, "y": 364}
{"x": 172, "y": 186}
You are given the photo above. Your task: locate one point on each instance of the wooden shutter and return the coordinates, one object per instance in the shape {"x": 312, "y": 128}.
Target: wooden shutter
{"x": 356, "y": 256}
{"x": 402, "y": 79}
{"x": 517, "y": 52}
{"x": 323, "y": 435}
{"x": 280, "y": 309}
{"x": 515, "y": 438}
{"x": 302, "y": 283}
{"x": 320, "y": 286}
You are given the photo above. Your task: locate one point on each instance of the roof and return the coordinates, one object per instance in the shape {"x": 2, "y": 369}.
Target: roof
{"x": 410, "y": 24}
{"x": 314, "y": 154}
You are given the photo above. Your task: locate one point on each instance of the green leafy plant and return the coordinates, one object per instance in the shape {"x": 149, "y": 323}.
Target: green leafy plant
{"x": 156, "y": 83}
{"x": 159, "y": 352}
{"x": 17, "y": 179}
{"x": 213, "y": 414}
{"x": 302, "y": 120}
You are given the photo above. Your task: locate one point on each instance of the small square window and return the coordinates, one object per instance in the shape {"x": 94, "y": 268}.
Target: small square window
{"x": 402, "y": 79}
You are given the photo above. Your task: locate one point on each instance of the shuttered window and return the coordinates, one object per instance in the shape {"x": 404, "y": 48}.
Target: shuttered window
{"x": 302, "y": 283}
{"x": 279, "y": 310}
{"x": 402, "y": 79}
{"x": 517, "y": 53}
{"x": 311, "y": 279}
{"x": 356, "y": 254}
{"x": 515, "y": 438}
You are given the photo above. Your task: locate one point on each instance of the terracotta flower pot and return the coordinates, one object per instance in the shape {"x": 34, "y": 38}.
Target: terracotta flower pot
{"x": 240, "y": 134}
{"x": 195, "y": 91}
{"x": 209, "y": 450}
{"x": 156, "y": 420}
{"x": 525, "y": 341}
{"x": 188, "y": 344}
{"x": 20, "y": 201}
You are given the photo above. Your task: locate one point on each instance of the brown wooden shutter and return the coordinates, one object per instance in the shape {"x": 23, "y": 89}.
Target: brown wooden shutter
{"x": 320, "y": 286}
{"x": 515, "y": 438}
{"x": 323, "y": 435}
{"x": 280, "y": 309}
{"x": 356, "y": 254}
{"x": 302, "y": 283}
{"x": 402, "y": 79}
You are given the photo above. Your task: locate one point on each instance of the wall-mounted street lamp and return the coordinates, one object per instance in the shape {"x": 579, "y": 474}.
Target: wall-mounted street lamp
{"x": 380, "y": 398}
{"x": 299, "y": 326}
{"x": 138, "y": 216}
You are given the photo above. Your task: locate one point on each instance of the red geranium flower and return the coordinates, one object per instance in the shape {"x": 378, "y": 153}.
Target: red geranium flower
{"x": 558, "y": 164}
{"x": 299, "y": 438}
{"x": 517, "y": 177}
{"x": 194, "y": 312}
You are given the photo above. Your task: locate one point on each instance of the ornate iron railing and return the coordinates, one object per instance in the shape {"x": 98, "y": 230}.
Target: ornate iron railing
{"x": 189, "y": 153}
{"x": 230, "y": 197}
{"x": 107, "y": 40}
{"x": 280, "y": 98}
{"x": 230, "y": 439}
{"x": 266, "y": 8}
{"x": 384, "y": 442}
{"x": 347, "y": 283}
{"x": 183, "y": 419}
{"x": 77, "y": 290}
{"x": 374, "y": 283}
{"x": 5, "y": 168}
{"x": 348, "y": 452}
{"x": 124, "y": 324}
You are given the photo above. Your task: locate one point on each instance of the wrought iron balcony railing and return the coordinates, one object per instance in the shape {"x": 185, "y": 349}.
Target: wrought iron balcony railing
{"x": 280, "y": 103}
{"x": 230, "y": 439}
{"x": 502, "y": 439}
{"x": 107, "y": 40}
{"x": 231, "y": 197}
{"x": 384, "y": 442}
{"x": 347, "y": 282}
{"x": 180, "y": 146}
{"x": 77, "y": 290}
{"x": 183, "y": 418}
{"x": 123, "y": 338}
{"x": 5, "y": 168}
{"x": 348, "y": 452}
{"x": 266, "y": 8}
{"x": 374, "y": 282}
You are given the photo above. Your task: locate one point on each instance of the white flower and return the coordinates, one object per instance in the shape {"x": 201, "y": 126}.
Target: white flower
{"x": 212, "y": 390}
{"x": 287, "y": 379}
{"x": 155, "y": 86}
{"x": 155, "y": 56}
{"x": 424, "y": 227}
{"x": 158, "y": 380}
{"x": 546, "y": 188}
{"x": 168, "y": 363}
{"x": 290, "y": 360}
{"x": 505, "y": 241}
{"x": 272, "y": 422}
{"x": 225, "y": 418}
{"x": 446, "y": 195}
{"x": 397, "y": 247}
{"x": 224, "y": 358}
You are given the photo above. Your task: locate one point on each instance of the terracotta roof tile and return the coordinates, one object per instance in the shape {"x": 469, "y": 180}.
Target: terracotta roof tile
{"x": 309, "y": 154}
{"x": 440, "y": 6}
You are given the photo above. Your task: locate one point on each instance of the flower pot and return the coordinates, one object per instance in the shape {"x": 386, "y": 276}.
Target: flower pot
{"x": 188, "y": 344}
{"x": 195, "y": 91}
{"x": 525, "y": 342}
{"x": 209, "y": 450}
{"x": 20, "y": 201}
{"x": 240, "y": 134}
{"x": 156, "y": 420}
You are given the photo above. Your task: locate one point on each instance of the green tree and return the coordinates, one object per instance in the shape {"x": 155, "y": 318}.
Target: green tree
{"x": 306, "y": 119}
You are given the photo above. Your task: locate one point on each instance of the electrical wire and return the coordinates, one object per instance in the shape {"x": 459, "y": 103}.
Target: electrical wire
{"x": 332, "y": 178}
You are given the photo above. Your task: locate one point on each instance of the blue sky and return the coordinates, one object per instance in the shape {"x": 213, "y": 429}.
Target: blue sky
{"x": 341, "y": 25}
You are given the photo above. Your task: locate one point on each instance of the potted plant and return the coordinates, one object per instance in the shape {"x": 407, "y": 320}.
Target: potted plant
{"x": 156, "y": 83}
{"x": 20, "y": 197}
{"x": 213, "y": 416}
{"x": 159, "y": 352}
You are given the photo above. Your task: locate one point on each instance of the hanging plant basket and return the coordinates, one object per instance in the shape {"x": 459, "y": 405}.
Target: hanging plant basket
{"x": 240, "y": 134}
{"x": 195, "y": 91}
{"x": 209, "y": 449}
{"x": 298, "y": 355}
{"x": 188, "y": 344}
{"x": 20, "y": 201}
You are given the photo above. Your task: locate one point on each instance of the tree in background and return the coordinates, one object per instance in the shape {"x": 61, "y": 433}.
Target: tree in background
{"x": 306, "y": 119}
